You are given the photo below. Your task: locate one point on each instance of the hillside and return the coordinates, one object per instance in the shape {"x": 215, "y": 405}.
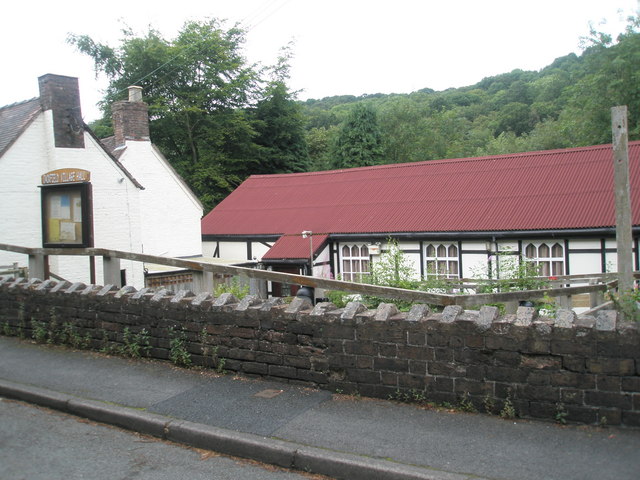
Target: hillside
{"x": 566, "y": 104}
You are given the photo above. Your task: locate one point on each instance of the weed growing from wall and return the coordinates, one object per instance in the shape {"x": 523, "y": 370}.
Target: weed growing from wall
{"x": 466, "y": 405}
{"x": 508, "y": 409}
{"x": 21, "y": 320}
{"x": 178, "y": 353}
{"x": 6, "y": 329}
{"x": 38, "y": 331}
{"x": 210, "y": 352}
{"x": 561, "y": 414}
{"x": 134, "y": 345}
{"x": 489, "y": 404}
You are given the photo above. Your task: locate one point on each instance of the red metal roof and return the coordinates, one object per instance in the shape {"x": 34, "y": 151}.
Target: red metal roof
{"x": 291, "y": 246}
{"x": 555, "y": 189}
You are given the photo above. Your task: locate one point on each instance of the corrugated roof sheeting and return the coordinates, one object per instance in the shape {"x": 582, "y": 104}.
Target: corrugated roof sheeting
{"x": 295, "y": 246}
{"x": 557, "y": 189}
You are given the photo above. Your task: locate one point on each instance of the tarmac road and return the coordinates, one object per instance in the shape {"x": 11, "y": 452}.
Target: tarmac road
{"x": 41, "y": 444}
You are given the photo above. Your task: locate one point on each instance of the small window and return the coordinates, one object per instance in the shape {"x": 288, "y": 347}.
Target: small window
{"x": 441, "y": 261}
{"x": 550, "y": 260}
{"x": 355, "y": 262}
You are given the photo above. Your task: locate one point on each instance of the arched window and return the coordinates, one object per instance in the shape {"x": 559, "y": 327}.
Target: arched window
{"x": 441, "y": 261}
{"x": 355, "y": 262}
{"x": 548, "y": 257}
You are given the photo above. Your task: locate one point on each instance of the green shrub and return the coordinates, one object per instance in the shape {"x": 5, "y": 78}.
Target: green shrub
{"x": 235, "y": 288}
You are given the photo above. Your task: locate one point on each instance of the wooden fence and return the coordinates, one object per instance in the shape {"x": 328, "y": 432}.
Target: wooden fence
{"x": 561, "y": 288}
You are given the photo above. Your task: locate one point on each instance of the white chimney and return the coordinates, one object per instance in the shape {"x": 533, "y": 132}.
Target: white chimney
{"x": 135, "y": 93}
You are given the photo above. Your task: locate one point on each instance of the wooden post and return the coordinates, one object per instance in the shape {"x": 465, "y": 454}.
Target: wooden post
{"x": 38, "y": 266}
{"x": 624, "y": 238}
{"x": 111, "y": 271}
{"x": 595, "y": 298}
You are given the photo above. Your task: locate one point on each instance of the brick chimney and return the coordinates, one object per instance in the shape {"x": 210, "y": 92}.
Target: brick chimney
{"x": 61, "y": 95}
{"x": 131, "y": 118}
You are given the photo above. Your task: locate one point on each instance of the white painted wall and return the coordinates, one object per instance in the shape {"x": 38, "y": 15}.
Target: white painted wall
{"x": 169, "y": 212}
{"x": 233, "y": 250}
{"x": 116, "y": 202}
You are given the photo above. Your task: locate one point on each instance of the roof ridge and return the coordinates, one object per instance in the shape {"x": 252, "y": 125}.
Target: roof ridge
{"x": 15, "y": 104}
{"x": 442, "y": 161}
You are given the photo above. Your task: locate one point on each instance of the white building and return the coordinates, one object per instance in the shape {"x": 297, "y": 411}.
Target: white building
{"x": 63, "y": 187}
{"x": 449, "y": 217}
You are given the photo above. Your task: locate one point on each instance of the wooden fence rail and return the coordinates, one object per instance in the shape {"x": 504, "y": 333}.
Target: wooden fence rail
{"x": 111, "y": 268}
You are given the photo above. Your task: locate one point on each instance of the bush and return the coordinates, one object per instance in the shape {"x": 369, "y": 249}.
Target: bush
{"x": 237, "y": 289}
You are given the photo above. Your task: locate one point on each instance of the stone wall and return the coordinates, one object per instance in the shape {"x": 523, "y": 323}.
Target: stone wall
{"x": 574, "y": 369}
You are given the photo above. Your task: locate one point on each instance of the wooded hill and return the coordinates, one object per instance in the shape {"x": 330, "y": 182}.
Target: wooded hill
{"x": 566, "y": 104}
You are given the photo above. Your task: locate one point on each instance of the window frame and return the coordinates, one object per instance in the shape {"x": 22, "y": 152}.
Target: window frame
{"x": 549, "y": 260}
{"x": 441, "y": 256}
{"x": 362, "y": 260}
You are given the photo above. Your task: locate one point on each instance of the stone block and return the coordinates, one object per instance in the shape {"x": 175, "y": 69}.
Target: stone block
{"x": 271, "y": 303}
{"x": 418, "y": 312}
{"x": 91, "y": 290}
{"x": 565, "y": 318}
{"x": 391, "y": 364}
{"x": 486, "y": 316}
{"x": 541, "y": 362}
{"x": 606, "y": 320}
{"x": 321, "y": 308}
{"x": 608, "y": 383}
{"x": 182, "y": 295}
{"x": 608, "y": 400}
{"x": 106, "y": 290}
{"x": 201, "y": 299}
{"x": 613, "y": 366}
{"x": 162, "y": 295}
{"x": 525, "y": 316}
{"x": 20, "y": 282}
{"x": 255, "y": 368}
{"x": 46, "y": 285}
{"x": 451, "y": 313}
{"x": 351, "y": 310}
{"x": 139, "y": 295}
{"x": 224, "y": 299}
{"x": 61, "y": 286}
{"x": 385, "y": 311}
{"x": 298, "y": 304}
{"x": 126, "y": 290}
{"x": 283, "y": 371}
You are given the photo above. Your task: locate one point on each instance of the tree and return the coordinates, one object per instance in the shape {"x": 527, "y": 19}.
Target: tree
{"x": 359, "y": 141}
{"x": 198, "y": 87}
{"x": 318, "y": 143}
{"x": 280, "y": 126}
{"x": 610, "y": 78}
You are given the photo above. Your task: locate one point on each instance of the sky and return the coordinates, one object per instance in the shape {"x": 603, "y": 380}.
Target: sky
{"x": 340, "y": 47}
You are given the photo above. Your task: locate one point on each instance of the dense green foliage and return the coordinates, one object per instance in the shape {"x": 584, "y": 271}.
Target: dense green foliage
{"x": 358, "y": 142}
{"x": 218, "y": 120}
{"x": 213, "y": 116}
{"x": 564, "y": 105}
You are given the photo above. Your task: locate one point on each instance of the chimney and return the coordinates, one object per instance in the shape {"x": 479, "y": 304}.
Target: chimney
{"x": 131, "y": 118}
{"x": 61, "y": 95}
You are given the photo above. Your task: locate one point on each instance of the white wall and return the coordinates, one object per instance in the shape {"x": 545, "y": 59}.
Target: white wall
{"x": 116, "y": 212}
{"x": 169, "y": 212}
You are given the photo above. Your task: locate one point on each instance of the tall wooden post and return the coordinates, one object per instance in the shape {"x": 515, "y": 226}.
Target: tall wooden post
{"x": 624, "y": 238}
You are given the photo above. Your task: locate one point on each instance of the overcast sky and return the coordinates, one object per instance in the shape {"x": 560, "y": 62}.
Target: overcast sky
{"x": 341, "y": 47}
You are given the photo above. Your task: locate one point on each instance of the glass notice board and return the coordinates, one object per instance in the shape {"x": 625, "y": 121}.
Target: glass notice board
{"x": 66, "y": 215}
